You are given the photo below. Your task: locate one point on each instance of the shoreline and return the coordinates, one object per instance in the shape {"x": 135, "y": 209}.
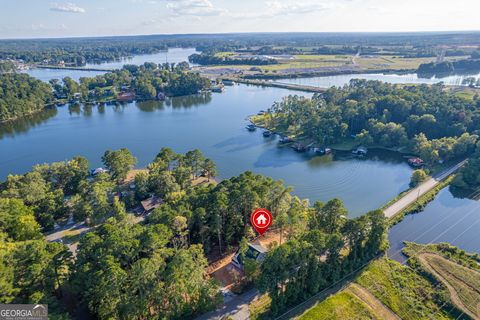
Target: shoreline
{"x": 347, "y": 145}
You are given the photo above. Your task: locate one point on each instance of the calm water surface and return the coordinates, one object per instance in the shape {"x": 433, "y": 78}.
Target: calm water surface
{"x": 445, "y": 219}
{"x": 412, "y": 78}
{"x": 173, "y": 55}
{"x": 214, "y": 124}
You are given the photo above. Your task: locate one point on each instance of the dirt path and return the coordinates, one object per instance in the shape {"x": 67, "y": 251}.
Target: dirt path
{"x": 378, "y": 308}
{"x": 423, "y": 258}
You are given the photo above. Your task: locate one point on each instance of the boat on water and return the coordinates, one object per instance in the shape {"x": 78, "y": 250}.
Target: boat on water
{"x": 285, "y": 139}
{"x": 360, "y": 151}
{"x": 251, "y": 127}
{"x": 322, "y": 151}
{"x": 228, "y": 82}
{"x": 267, "y": 133}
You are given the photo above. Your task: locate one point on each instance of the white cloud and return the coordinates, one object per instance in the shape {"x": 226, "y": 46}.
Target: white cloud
{"x": 194, "y": 8}
{"x": 144, "y": 1}
{"x": 296, "y": 7}
{"x": 285, "y": 8}
{"x": 66, "y": 7}
{"x": 149, "y": 22}
{"x": 43, "y": 27}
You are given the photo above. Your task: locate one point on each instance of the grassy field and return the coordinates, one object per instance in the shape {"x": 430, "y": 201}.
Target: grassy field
{"x": 463, "y": 281}
{"x": 330, "y": 63}
{"x": 401, "y": 289}
{"x": 308, "y": 62}
{"x": 224, "y": 54}
{"x": 259, "y": 308}
{"x": 454, "y": 254}
{"x": 343, "y": 305}
{"x": 457, "y": 270}
{"x": 390, "y": 62}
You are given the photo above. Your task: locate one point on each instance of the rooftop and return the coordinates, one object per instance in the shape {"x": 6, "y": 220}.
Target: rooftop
{"x": 151, "y": 203}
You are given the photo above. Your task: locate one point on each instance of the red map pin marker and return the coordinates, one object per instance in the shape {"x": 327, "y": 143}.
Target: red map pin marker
{"x": 261, "y": 220}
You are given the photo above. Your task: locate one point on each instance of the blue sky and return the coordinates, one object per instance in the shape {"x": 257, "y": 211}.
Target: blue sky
{"x": 42, "y": 18}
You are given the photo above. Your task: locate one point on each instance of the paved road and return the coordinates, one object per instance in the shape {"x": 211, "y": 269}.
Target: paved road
{"x": 236, "y": 309}
{"x": 413, "y": 195}
{"x": 80, "y": 227}
{"x": 77, "y": 229}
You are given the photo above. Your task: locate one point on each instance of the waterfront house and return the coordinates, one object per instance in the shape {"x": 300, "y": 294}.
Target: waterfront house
{"x": 415, "y": 162}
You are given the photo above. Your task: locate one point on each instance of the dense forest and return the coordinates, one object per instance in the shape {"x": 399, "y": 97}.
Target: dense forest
{"x": 469, "y": 176}
{"x": 126, "y": 268}
{"x": 21, "y": 95}
{"x": 427, "y": 120}
{"x": 465, "y": 66}
{"x": 146, "y": 81}
{"x": 7, "y": 67}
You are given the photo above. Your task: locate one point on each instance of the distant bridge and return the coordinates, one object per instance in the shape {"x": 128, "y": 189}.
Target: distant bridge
{"x": 276, "y": 84}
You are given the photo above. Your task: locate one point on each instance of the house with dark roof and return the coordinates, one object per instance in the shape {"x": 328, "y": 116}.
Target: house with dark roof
{"x": 151, "y": 203}
{"x": 255, "y": 252}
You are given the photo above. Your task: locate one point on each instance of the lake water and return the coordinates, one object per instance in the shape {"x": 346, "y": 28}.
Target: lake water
{"x": 216, "y": 125}
{"x": 445, "y": 219}
{"x": 341, "y": 80}
{"x": 173, "y": 55}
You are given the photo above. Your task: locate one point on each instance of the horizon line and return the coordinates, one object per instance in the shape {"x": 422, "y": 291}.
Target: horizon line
{"x": 243, "y": 33}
